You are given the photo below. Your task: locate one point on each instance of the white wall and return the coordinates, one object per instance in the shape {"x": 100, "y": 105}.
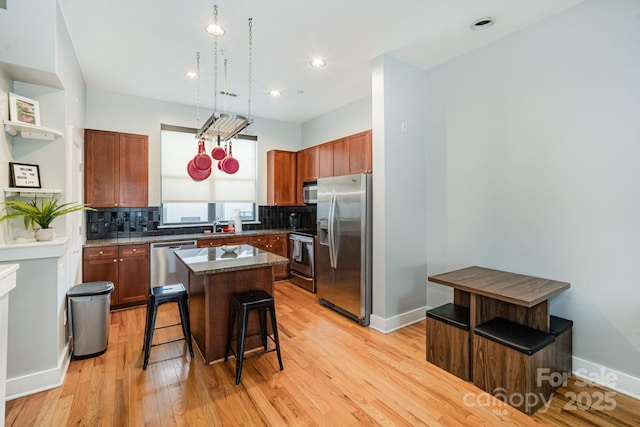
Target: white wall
{"x": 132, "y": 114}
{"x": 20, "y": 45}
{"x": 399, "y": 186}
{"x": 347, "y": 120}
{"x": 533, "y": 155}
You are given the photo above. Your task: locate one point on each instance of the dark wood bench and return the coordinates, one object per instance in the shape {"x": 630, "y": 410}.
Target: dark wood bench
{"x": 561, "y": 329}
{"x": 448, "y": 339}
{"x": 514, "y": 363}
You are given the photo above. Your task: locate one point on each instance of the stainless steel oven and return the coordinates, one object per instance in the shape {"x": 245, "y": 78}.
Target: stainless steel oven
{"x": 302, "y": 261}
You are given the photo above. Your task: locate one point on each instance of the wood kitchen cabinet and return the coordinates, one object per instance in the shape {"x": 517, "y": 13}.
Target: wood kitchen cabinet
{"x": 345, "y": 156}
{"x": 359, "y": 152}
{"x": 307, "y": 168}
{"x": 325, "y": 160}
{"x": 116, "y": 169}
{"x": 279, "y": 245}
{"x": 341, "y": 157}
{"x": 308, "y": 164}
{"x": 281, "y": 178}
{"x": 210, "y": 243}
{"x": 127, "y": 266}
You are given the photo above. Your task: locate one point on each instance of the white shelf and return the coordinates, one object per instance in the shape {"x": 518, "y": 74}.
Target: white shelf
{"x": 29, "y": 192}
{"x": 31, "y": 131}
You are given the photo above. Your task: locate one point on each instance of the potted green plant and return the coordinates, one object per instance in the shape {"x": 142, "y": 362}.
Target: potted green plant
{"x": 42, "y": 214}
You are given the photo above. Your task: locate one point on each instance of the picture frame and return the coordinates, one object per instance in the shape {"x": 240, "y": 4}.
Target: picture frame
{"x": 24, "y": 175}
{"x": 24, "y": 110}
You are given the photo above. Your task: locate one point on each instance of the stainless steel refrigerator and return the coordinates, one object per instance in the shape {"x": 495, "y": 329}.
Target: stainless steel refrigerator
{"x": 343, "y": 275}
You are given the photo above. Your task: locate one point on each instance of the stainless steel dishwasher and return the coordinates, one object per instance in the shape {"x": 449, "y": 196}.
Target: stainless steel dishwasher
{"x": 166, "y": 269}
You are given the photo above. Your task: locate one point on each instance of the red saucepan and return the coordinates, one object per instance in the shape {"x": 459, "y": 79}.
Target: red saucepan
{"x": 218, "y": 153}
{"x": 230, "y": 164}
{"x": 202, "y": 161}
{"x": 220, "y": 163}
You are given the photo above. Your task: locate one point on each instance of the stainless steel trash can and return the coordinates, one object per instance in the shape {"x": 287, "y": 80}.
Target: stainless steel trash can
{"x": 89, "y": 317}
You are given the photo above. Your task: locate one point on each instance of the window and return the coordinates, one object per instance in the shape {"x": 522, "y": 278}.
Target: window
{"x": 189, "y": 202}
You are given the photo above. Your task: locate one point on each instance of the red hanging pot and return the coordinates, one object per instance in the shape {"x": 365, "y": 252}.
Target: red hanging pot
{"x": 218, "y": 153}
{"x": 202, "y": 161}
{"x": 230, "y": 164}
{"x": 221, "y": 161}
{"x": 197, "y": 174}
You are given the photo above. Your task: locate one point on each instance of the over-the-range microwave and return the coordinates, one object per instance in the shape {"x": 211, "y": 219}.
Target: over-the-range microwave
{"x": 310, "y": 192}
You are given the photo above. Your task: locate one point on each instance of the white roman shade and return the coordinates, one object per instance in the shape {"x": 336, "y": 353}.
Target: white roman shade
{"x": 179, "y": 147}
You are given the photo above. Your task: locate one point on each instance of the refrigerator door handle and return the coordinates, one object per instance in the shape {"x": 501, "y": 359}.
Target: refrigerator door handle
{"x": 331, "y": 229}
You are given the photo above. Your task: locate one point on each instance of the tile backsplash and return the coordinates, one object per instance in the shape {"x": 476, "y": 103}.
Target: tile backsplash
{"x": 111, "y": 223}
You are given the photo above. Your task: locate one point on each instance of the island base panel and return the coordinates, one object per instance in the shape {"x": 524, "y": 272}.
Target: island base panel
{"x": 210, "y": 305}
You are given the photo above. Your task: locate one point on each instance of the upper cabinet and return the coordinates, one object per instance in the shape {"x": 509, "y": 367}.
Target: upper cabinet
{"x": 345, "y": 156}
{"x": 325, "y": 160}
{"x": 117, "y": 169}
{"x": 359, "y": 152}
{"x": 287, "y": 171}
{"x": 308, "y": 164}
{"x": 281, "y": 178}
{"x": 307, "y": 160}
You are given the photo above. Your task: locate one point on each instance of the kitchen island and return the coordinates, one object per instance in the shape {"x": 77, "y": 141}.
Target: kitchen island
{"x": 214, "y": 276}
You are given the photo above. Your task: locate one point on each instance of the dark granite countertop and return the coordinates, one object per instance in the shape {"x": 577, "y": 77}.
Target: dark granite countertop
{"x": 176, "y": 237}
{"x": 215, "y": 260}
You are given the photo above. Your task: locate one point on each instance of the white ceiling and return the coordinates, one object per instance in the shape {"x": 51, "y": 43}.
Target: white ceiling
{"x": 144, "y": 47}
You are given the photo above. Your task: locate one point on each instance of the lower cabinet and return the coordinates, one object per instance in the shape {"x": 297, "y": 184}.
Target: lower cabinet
{"x": 127, "y": 266}
{"x": 279, "y": 245}
{"x": 276, "y": 243}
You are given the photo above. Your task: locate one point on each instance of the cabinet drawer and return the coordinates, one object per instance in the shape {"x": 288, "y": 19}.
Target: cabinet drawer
{"x": 134, "y": 250}
{"x": 102, "y": 252}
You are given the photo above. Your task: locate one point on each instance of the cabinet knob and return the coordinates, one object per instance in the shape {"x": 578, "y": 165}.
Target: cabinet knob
{"x": 115, "y": 260}
{"x": 120, "y": 259}
{"x": 115, "y": 204}
{"x": 134, "y": 249}
{"x": 100, "y": 253}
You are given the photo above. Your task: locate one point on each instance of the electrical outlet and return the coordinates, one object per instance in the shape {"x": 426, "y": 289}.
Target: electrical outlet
{"x": 403, "y": 126}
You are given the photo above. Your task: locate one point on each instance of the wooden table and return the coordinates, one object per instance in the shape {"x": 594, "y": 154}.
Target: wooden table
{"x": 493, "y": 293}
{"x": 213, "y": 277}
{"x": 507, "y": 374}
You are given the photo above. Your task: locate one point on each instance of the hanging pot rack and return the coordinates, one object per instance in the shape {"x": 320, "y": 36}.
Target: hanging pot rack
{"x": 223, "y": 125}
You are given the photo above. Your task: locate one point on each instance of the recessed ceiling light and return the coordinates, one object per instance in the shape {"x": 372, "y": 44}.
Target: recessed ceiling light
{"x": 483, "y": 23}
{"x": 318, "y": 63}
{"x": 275, "y": 93}
{"x": 214, "y": 30}
{"x": 191, "y": 75}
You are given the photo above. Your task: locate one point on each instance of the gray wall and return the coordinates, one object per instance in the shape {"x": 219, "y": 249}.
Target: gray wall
{"x": 132, "y": 114}
{"x": 399, "y": 188}
{"x": 533, "y": 155}
{"x": 347, "y": 120}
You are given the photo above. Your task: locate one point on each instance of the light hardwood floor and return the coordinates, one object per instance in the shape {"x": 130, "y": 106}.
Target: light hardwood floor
{"x": 336, "y": 373}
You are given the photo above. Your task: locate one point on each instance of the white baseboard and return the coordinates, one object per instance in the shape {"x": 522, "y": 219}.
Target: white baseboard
{"x": 396, "y": 322}
{"x": 38, "y": 381}
{"x": 607, "y": 377}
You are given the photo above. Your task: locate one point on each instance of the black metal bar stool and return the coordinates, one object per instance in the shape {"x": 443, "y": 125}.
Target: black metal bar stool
{"x": 241, "y": 305}
{"x": 158, "y": 296}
